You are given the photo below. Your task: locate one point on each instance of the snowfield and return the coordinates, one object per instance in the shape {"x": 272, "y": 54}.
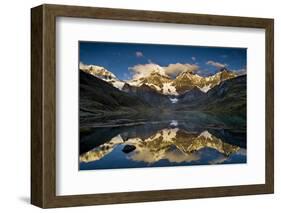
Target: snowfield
{"x": 169, "y": 89}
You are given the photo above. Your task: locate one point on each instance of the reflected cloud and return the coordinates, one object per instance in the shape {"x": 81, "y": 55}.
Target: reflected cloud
{"x": 101, "y": 151}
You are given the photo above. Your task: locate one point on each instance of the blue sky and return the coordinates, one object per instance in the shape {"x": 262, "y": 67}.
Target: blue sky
{"x": 118, "y": 57}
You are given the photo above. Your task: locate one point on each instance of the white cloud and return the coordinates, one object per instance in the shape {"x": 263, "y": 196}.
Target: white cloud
{"x": 144, "y": 70}
{"x": 150, "y": 61}
{"x": 172, "y": 70}
{"x": 242, "y": 71}
{"x": 216, "y": 64}
{"x": 139, "y": 54}
{"x": 204, "y": 72}
{"x": 126, "y": 76}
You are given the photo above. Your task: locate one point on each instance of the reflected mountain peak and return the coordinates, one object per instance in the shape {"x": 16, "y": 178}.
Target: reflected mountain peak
{"x": 102, "y": 150}
{"x": 174, "y": 145}
{"x": 165, "y": 135}
{"x": 174, "y": 123}
{"x": 206, "y": 135}
{"x": 116, "y": 140}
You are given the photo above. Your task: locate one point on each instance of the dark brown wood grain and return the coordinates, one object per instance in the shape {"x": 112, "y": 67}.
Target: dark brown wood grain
{"x": 43, "y": 105}
{"x": 36, "y": 106}
{"x": 269, "y": 106}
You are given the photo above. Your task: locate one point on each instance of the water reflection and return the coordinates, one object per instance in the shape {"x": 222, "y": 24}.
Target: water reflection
{"x": 163, "y": 144}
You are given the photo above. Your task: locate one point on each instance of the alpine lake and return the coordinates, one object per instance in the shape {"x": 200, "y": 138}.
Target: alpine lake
{"x": 162, "y": 139}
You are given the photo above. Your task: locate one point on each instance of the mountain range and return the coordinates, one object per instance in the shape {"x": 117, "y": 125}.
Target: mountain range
{"x": 107, "y": 101}
{"x": 161, "y": 82}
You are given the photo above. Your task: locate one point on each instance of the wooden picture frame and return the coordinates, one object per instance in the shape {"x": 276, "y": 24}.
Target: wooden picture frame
{"x": 43, "y": 105}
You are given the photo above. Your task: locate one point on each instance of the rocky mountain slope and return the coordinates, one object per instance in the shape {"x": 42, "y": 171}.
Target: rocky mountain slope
{"x": 97, "y": 97}
{"x": 147, "y": 94}
{"x": 228, "y": 96}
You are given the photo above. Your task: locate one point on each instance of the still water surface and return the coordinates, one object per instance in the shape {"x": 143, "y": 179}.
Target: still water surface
{"x": 195, "y": 139}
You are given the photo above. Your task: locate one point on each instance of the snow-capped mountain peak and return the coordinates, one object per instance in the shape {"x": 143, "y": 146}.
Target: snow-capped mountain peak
{"x": 186, "y": 80}
{"x": 102, "y": 73}
{"x": 205, "y": 134}
{"x": 97, "y": 71}
{"x": 159, "y": 81}
{"x": 159, "y": 71}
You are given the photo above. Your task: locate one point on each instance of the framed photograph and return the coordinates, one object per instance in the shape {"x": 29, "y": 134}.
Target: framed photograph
{"x": 137, "y": 106}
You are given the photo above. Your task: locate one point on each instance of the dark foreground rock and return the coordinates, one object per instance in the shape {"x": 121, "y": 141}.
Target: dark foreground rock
{"x": 128, "y": 148}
